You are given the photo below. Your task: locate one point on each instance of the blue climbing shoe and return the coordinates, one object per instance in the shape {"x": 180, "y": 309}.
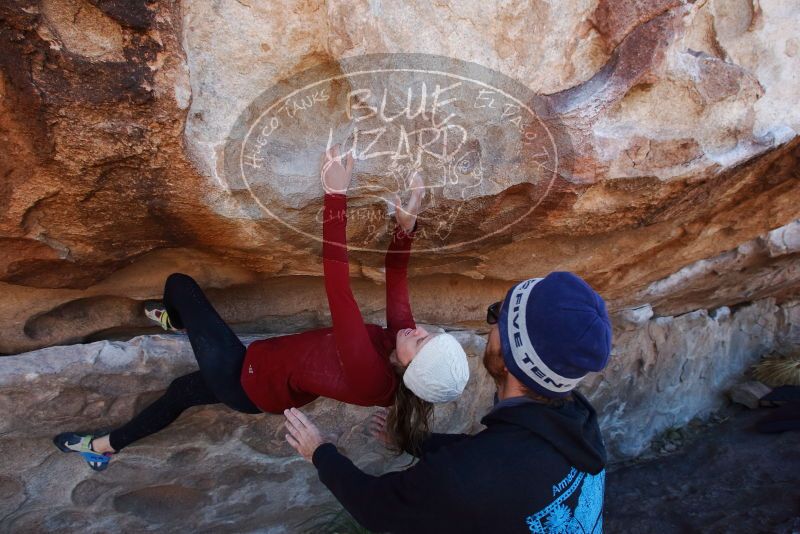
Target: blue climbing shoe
{"x": 82, "y": 444}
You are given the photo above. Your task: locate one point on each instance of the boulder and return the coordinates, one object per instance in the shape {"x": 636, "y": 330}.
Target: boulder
{"x": 649, "y": 146}
{"x": 220, "y": 470}
{"x": 749, "y": 393}
{"x": 662, "y": 134}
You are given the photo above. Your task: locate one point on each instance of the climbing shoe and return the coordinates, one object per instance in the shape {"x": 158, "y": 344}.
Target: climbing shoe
{"x": 82, "y": 444}
{"x": 155, "y": 311}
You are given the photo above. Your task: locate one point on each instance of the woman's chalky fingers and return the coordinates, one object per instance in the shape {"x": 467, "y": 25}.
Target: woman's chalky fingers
{"x": 377, "y": 428}
{"x": 380, "y": 416}
{"x": 417, "y": 192}
{"x": 327, "y": 160}
{"x": 350, "y": 162}
{"x": 378, "y": 421}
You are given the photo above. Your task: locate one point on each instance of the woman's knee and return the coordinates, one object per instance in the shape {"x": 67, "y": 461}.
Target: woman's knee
{"x": 189, "y": 390}
{"x": 179, "y": 282}
{"x": 180, "y": 386}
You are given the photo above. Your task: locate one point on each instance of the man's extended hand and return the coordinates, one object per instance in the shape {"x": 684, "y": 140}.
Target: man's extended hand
{"x": 303, "y": 435}
{"x": 337, "y": 170}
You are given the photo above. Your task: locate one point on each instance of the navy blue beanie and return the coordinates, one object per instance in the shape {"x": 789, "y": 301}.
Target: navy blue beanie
{"x": 553, "y": 331}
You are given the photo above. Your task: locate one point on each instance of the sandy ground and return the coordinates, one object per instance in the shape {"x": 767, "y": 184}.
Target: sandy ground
{"x": 724, "y": 478}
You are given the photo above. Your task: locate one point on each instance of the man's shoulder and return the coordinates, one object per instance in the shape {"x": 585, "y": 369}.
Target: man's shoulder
{"x": 465, "y": 444}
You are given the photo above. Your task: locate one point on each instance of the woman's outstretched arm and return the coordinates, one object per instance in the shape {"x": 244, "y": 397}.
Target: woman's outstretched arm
{"x": 398, "y": 306}
{"x": 366, "y": 372}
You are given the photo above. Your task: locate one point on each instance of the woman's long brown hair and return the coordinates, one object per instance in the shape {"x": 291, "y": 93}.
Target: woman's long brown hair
{"x": 409, "y": 420}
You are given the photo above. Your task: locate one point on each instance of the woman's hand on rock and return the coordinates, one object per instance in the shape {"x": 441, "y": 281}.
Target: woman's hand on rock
{"x": 407, "y": 215}
{"x": 377, "y": 427}
{"x": 337, "y": 170}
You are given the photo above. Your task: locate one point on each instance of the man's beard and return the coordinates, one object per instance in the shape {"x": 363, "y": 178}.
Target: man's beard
{"x": 494, "y": 364}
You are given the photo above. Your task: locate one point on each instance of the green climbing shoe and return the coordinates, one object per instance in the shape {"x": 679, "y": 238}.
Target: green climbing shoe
{"x": 155, "y": 311}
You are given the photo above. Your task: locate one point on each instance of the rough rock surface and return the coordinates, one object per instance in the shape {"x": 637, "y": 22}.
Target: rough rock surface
{"x": 223, "y": 471}
{"x": 214, "y": 469}
{"x": 666, "y": 370}
{"x": 681, "y": 121}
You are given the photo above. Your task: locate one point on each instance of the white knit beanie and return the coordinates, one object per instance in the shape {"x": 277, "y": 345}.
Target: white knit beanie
{"x": 439, "y": 372}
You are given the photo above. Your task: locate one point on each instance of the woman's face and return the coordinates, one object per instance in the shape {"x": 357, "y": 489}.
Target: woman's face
{"x": 409, "y": 342}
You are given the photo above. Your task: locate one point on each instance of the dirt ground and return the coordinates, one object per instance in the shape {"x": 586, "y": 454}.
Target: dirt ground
{"x": 720, "y": 478}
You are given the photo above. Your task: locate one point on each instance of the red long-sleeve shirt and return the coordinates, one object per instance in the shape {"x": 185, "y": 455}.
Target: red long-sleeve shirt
{"x": 349, "y": 361}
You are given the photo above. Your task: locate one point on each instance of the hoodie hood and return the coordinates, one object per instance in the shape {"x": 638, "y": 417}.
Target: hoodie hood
{"x": 572, "y": 429}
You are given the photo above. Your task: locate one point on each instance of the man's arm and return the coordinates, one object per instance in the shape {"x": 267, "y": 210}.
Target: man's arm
{"x": 367, "y": 375}
{"x": 399, "y": 501}
{"x": 434, "y": 442}
{"x": 392, "y": 502}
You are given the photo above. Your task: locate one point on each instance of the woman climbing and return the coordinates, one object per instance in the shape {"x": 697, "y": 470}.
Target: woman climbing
{"x": 402, "y": 366}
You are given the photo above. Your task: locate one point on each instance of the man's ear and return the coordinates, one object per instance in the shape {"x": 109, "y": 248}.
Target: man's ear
{"x": 507, "y": 376}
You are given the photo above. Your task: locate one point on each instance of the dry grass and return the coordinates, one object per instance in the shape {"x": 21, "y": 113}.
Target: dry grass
{"x": 776, "y": 371}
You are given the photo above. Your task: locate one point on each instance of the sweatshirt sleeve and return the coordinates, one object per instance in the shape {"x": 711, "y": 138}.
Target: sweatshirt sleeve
{"x": 391, "y": 502}
{"x": 436, "y": 441}
{"x": 366, "y": 375}
{"x": 398, "y": 307}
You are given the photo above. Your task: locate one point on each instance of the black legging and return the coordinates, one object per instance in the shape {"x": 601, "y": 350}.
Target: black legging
{"x": 219, "y": 355}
